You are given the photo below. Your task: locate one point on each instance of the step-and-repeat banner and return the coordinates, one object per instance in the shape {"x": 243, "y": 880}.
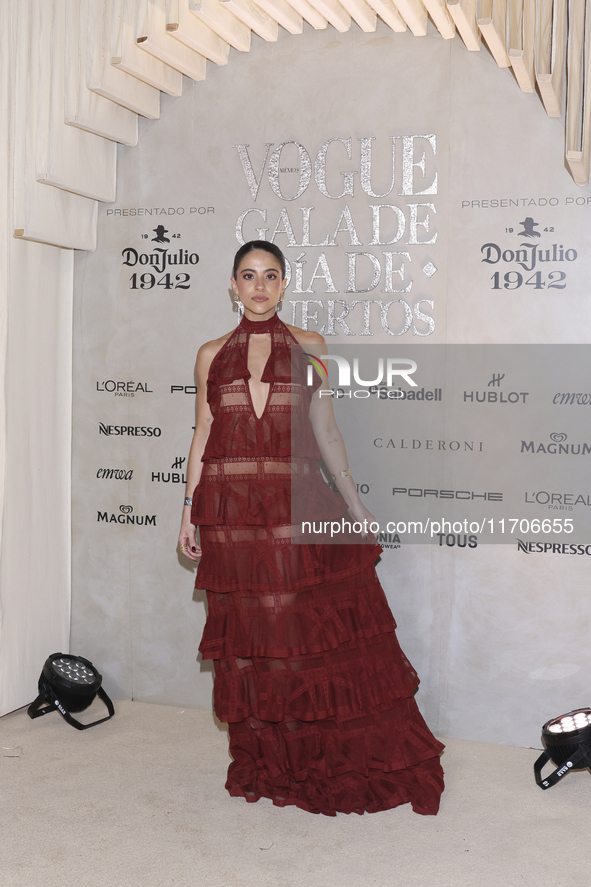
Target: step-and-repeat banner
{"x": 461, "y": 445}
{"x": 435, "y": 239}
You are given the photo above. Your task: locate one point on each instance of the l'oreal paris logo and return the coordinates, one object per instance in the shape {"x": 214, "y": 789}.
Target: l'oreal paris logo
{"x": 386, "y": 370}
{"x": 123, "y": 389}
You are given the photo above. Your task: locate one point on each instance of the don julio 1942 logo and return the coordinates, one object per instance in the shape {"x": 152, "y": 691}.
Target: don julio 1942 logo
{"x": 161, "y": 260}
{"x": 541, "y": 264}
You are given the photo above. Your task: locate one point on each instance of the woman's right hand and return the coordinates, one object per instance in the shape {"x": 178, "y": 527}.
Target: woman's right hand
{"x": 188, "y": 540}
{"x": 203, "y": 419}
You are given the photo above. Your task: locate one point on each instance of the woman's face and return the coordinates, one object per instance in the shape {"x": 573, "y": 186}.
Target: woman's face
{"x": 259, "y": 284}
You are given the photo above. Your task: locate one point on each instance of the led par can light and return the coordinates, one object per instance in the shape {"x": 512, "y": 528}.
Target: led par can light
{"x": 567, "y": 743}
{"x": 69, "y": 684}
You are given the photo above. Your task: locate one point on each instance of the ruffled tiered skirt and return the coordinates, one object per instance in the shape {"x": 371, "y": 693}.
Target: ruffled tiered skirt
{"x": 309, "y": 676}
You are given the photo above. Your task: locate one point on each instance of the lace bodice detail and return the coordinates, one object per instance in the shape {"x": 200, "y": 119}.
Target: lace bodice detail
{"x": 236, "y": 431}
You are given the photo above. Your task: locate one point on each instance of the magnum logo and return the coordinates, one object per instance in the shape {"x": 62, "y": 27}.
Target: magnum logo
{"x": 126, "y": 517}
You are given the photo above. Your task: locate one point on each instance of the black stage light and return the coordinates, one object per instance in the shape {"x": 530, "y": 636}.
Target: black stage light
{"x": 69, "y": 683}
{"x": 567, "y": 740}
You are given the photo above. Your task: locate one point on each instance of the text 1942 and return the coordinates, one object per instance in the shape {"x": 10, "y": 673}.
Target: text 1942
{"x": 147, "y": 281}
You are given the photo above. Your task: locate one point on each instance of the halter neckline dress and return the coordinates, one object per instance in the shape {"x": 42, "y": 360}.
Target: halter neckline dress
{"x": 309, "y": 676}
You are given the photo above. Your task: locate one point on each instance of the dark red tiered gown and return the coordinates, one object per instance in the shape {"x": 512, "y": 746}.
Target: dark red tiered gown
{"x": 308, "y": 672}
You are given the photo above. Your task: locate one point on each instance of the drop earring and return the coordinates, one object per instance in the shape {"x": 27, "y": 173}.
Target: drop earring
{"x": 239, "y": 308}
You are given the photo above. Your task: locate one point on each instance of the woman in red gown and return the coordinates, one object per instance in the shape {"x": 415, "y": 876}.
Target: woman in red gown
{"x": 309, "y": 676}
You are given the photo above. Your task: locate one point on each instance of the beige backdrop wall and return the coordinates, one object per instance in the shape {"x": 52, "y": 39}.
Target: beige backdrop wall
{"x": 481, "y": 624}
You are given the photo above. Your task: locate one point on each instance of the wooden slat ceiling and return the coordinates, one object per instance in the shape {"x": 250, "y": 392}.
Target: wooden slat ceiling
{"x": 103, "y": 62}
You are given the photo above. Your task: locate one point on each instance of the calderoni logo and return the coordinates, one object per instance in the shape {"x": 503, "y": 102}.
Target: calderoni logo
{"x": 129, "y": 430}
{"x": 123, "y": 389}
{"x": 447, "y": 446}
{"x": 553, "y": 548}
{"x": 126, "y": 517}
{"x": 557, "y": 446}
{"x": 115, "y": 473}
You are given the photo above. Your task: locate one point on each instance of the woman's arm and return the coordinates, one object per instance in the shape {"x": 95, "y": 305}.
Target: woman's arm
{"x": 329, "y": 438}
{"x": 334, "y": 454}
{"x": 203, "y": 420}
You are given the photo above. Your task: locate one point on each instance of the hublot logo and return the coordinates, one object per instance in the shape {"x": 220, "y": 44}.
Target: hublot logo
{"x": 171, "y": 477}
{"x": 496, "y": 396}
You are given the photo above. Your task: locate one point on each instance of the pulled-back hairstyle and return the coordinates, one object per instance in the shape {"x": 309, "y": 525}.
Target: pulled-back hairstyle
{"x": 258, "y": 244}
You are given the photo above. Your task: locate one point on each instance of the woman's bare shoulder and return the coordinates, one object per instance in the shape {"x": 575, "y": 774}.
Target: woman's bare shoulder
{"x": 211, "y": 348}
{"x": 208, "y": 350}
{"x": 305, "y": 337}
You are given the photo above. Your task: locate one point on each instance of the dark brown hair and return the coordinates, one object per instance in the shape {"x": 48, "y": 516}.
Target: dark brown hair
{"x": 258, "y": 244}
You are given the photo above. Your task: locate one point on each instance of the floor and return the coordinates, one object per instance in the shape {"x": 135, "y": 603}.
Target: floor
{"x": 140, "y": 800}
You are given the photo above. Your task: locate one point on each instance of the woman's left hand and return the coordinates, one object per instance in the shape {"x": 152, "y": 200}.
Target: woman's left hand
{"x": 362, "y": 515}
{"x": 188, "y": 541}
